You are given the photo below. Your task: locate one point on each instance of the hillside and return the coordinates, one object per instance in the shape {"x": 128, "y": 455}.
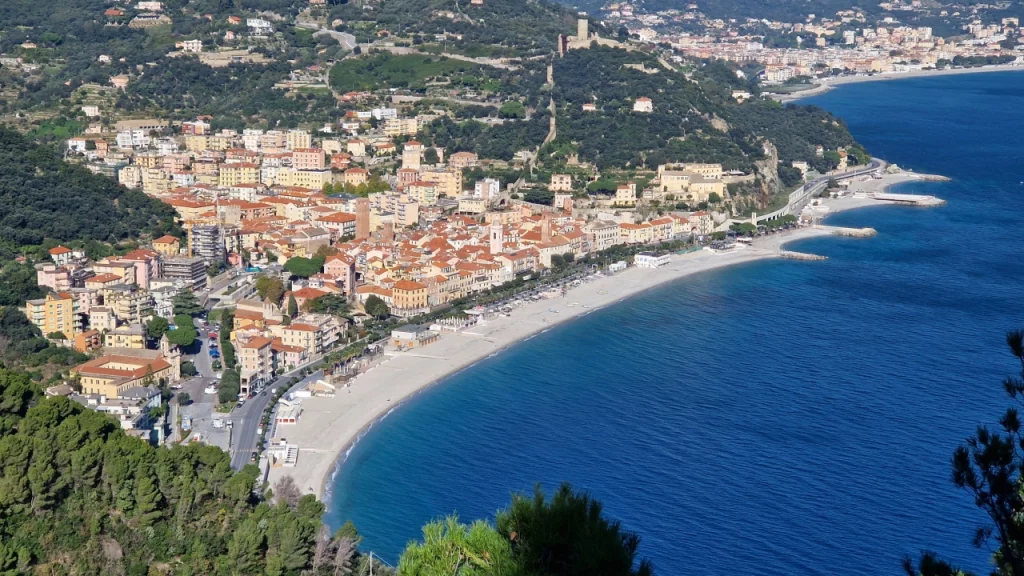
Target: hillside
{"x": 693, "y": 120}
{"x": 42, "y": 197}
{"x": 498, "y": 27}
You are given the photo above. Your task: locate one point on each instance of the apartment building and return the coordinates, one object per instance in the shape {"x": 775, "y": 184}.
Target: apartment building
{"x": 57, "y": 312}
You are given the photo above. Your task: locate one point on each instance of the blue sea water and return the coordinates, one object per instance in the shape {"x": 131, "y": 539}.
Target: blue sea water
{"x": 779, "y": 417}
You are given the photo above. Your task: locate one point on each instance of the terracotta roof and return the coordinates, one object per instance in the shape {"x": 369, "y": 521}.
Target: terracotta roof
{"x": 59, "y": 250}
{"x": 97, "y": 366}
{"x": 258, "y": 342}
{"x": 409, "y": 285}
{"x": 302, "y": 327}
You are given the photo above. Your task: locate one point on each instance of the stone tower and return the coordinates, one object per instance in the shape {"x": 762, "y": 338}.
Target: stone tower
{"x": 581, "y": 29}
{"x": 497, "y": 237}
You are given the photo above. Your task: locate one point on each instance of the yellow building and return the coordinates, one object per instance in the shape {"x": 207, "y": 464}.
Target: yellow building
{"x": 111, "y": 375}
{"x": 356, "y": 176}
{"x": 57, "y": 312}
{"x": 409, "y": 296}
{"x": 167, "y": 246}
{"x": 626, "y": 194}
{"x": 133, "y": 336}
{"x": 401, "y": 126}
{"x": 423, "y": 192}
{"x": 447, "y": 180}
{"x": 312, "y": 179}
{"x": 239, "y": 173}
{"x": 636, "y": 233}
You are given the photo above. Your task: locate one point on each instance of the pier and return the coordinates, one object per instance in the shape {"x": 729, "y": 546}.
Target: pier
{"x": 790, "y": 255}
{"x": 850, "y": 232}
{"x": 910, "y": 199}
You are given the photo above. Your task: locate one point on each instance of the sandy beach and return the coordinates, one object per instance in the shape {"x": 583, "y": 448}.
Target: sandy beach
{"x": 829, "y": 83}
{"x": 328, "y": 427}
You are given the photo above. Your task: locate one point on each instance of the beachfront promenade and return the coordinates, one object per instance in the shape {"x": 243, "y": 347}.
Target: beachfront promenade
{"x": 329, "y": 425}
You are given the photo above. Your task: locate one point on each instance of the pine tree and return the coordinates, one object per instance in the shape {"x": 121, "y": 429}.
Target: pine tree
{"x": 293, "y": 306}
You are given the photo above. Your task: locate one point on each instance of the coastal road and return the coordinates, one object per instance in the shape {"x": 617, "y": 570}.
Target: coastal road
{"x": 247, "y": 418}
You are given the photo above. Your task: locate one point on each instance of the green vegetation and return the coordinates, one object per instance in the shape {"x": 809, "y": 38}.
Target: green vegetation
{"x": 694, "y": 120}
{"x": 989, "y": 468}
{"x": 270, "y": 288}
{"x": 564, "y": 536}
{"x": 227, "y": 349}
{"x": 378, "y": 71}
{"x": 157, "y": 327}
{"x": 90, "y": 207}
{"x": 376, "y": 307}
{"x": 186, "y": 303}
{"x": 304, "y": 267}
{"x": 498, "y": 27}
{"x": 329, "y": 304}
{"x": 184, "y": 333}
{"x": 501, "y": 141}
{"x": 80, "y": 496}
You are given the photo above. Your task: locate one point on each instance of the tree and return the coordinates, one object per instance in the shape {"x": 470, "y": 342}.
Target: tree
{"x": 56, "y": 336}
{"x": 293, "y": 307}
{"x": 157, "y": 327}
{"x": 303, "y": 267}
{"x": 376, "y": 307}
{"x": 512, "y": 109}
{"x": 450, "y": 547}
{"x": 568, "y": 535}
{"x": 557, "y": 261}
{"x": 989, "y": 467}
{"x": 430, "y": 156}
{"x": 270, "y": 288}
{"x": 185, "y": 302}
{"x": 184, "y": 399}
{"x": 287, "y": 492}
{"x": 328, "y": 304}
{"x": 714, "y": 198}
{"x": 188, "y": 369}
{"x": 184, "y": 333}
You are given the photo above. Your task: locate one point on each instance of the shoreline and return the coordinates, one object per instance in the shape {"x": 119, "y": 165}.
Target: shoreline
{"x": 329, "y": 428}
{"x": 830, "y": 83}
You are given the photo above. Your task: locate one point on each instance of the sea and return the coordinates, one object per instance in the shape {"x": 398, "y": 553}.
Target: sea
{"x": 778, "y": 417}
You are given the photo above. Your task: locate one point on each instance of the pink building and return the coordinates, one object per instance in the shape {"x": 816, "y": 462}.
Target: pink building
{"x": 309, "y": 159}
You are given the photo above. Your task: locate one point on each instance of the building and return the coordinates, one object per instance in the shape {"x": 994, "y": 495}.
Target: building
{"x": 560, "y": 183}
{"x": 309, "y": 159}
{"x": 131, "y": 336}
{"x": 129, "y": 303}
{"x": 463, "y": 160}
{"x": 57, "y": 312}
{"x": 362, "y": 218}
{"x": 191, "y": 270}
{"x": 206, "y": 241}
{"x": 625, "y": 194}
{"x": 651, "y": 259}
{"x": 167, "y": 246}
{"x": 257, "y": 364}
{"x": 412, "y": 336}
{"x": 643, "y": 104}
{"x": 447, "y": 180}
{"x": 113, "y": 375}
{"x": 487, "y": 189}
{"x": 356, "y": 176}
{"x": 409, "y": 298}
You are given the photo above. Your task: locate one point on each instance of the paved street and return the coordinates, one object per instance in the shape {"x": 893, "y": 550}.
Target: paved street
{"x": 247, "y": 418}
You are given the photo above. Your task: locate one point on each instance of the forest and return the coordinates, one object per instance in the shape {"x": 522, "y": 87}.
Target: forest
{"x": 500, "y": 141}
{"x": 523, "y": 27}
{"x": 695, "y": 119}
{"x": 42, "y": 197}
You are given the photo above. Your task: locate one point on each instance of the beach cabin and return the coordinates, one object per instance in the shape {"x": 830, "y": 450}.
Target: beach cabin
{"x": 412, "y": 336}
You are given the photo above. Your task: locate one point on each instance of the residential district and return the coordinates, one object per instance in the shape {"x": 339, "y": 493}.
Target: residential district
{"x": 848, "y": 42}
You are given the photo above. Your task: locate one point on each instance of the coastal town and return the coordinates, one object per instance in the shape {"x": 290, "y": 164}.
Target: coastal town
{"x": 333, "y": 249}
{"x": 848, "y": 42}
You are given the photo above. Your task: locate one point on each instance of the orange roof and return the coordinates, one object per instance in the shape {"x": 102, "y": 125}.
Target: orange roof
{"x": 98, "y": 366}
{"x": 409, "y": 285}
{"x": 59, "y": 250}
{"x": 340, "y": 217}
{"x": 258, "y": 342}
{"x": 302, "y": 327}
{"x": 103, "y": 278}
{"x": 308, "y": 293}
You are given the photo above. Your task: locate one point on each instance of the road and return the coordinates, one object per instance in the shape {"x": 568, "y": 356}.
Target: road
{"x": 247, "y": 419}
{"x": 347, "y": 41}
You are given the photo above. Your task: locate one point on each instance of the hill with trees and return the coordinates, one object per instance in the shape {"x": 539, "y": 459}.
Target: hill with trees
{"x": 495, "y": 28}
{"x": 43, "y": 197}
{"x": 695, "y": 118}
{"x": 80, "y": 496}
